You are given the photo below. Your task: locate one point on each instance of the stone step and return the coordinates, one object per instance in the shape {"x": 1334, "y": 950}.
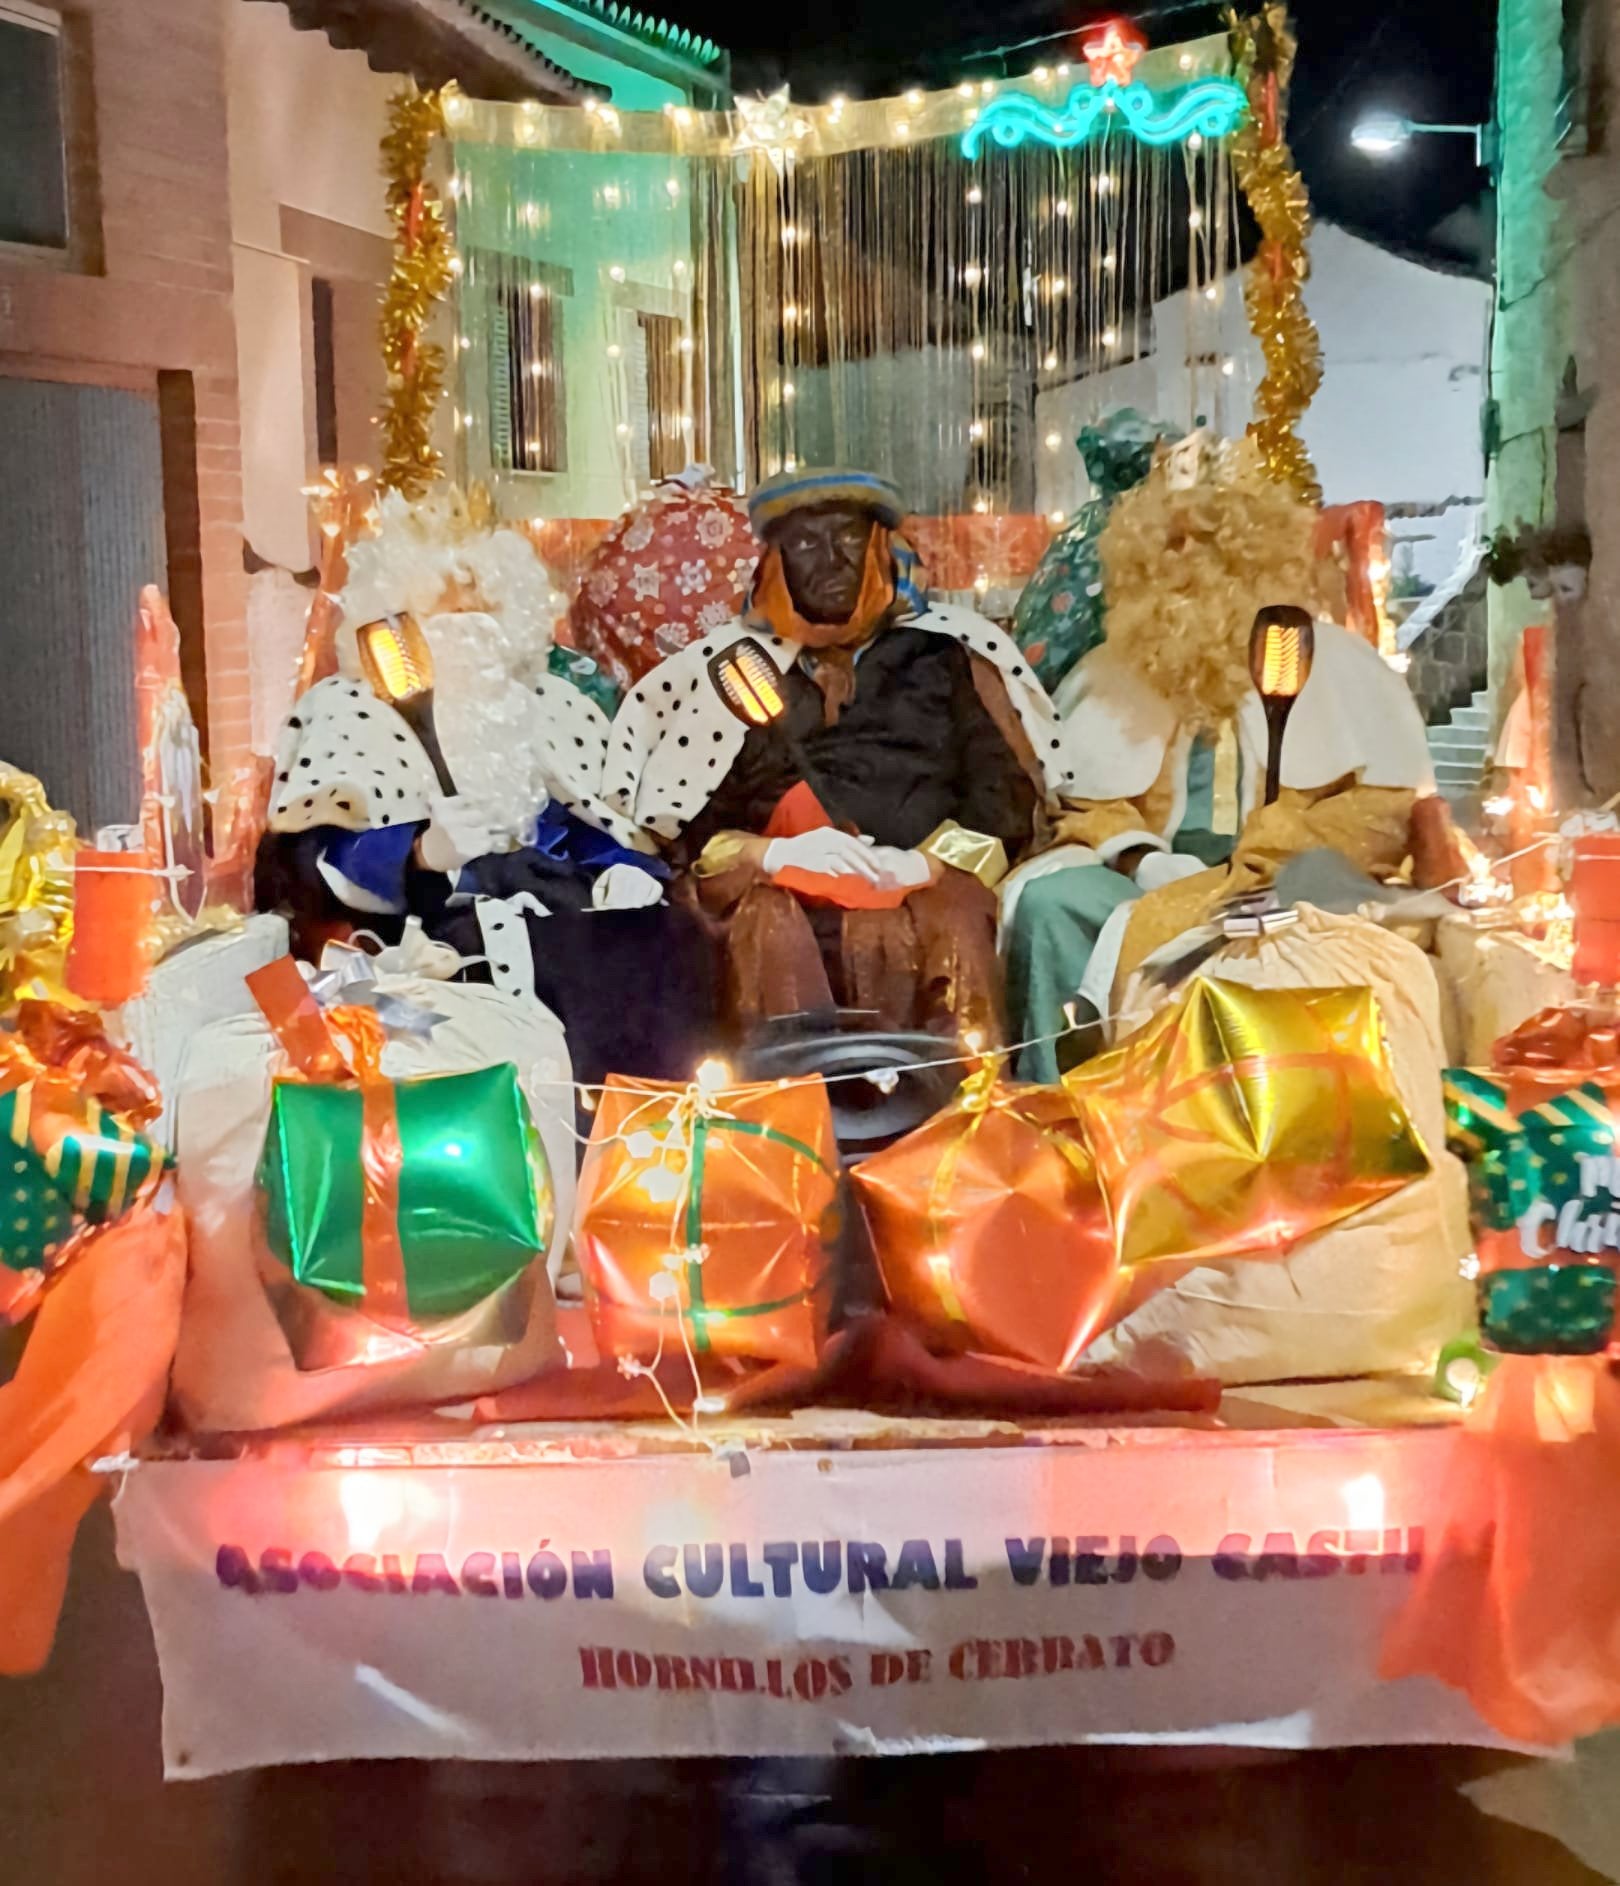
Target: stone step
{"x": 1456, "y": 740}
{"x": 1461, "y": 773}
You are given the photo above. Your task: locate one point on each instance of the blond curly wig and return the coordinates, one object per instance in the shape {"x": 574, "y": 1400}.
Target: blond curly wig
{"x": 1184, "y": 571}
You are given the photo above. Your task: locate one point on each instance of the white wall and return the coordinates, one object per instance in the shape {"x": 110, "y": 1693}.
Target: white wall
{"x": 304, "y": 121}
{"x": 1397, "y": 417}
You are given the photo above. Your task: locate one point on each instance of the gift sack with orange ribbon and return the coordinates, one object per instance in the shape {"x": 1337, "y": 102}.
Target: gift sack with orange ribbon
{"x": 989, "y": 1227}
{"x": 369, "y": 1228}
{"x": 704, "y": 1220}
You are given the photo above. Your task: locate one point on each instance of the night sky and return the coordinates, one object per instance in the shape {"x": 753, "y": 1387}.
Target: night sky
{"x": 1431, "y": 59}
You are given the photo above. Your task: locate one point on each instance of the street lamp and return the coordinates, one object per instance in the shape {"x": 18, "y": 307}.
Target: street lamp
{"x": 1383, "y": 133}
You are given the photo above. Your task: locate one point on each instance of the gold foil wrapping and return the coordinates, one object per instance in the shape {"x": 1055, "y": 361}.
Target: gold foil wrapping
{"x": 1263, "y": 49}
{"x": 1242, "y": 1120}
{"x": 979, "y": 856}
{"x": 419, "y": 279}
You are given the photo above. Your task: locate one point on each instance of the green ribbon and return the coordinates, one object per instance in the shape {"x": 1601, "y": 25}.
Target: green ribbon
{"x": 697, "y": 1312}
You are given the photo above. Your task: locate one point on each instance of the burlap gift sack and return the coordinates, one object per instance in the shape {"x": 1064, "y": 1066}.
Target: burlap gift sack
{"x": 1377, "y": 1293}
{"x": 234, "y": 1369}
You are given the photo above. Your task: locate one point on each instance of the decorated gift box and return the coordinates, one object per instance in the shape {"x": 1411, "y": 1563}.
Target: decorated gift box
{"x": 1538, "y": 1130}
{"x": 704, "y": 1219}
{"x": 397, "y": 1213}
{"x": 72, "y": 1157}
{"x": 989, "y": 1229}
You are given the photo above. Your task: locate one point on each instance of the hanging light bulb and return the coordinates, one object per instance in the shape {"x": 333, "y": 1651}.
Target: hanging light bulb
{"x": 972, "y": 275}
{"x": 612, "y": 196}
{"x": 622, "y": 429}
{"x": 1229, "y": 366}
{"x": 686, "y": 343}
{"x": 1061, "y": 206}
{"x": 789, "y": 390}
{"x": 977, "y": 350}
{"x": 975, "y": 194}
{"x": 914, "y": 98}
{"x": 1195, "y": 219}
{"x": 1060, "y": 285}
{"x": 965, "y": 89}
{"x": 614, "y": 350}
{"x": 902, "y": 129}
{"x": 1042, "y": 76}
{"x": 981, "y": 505}
{"x": 1051, "y": 362}
{"x": 1105, "y": 183}
{"x": 616, "y": 273}
{"x": 1185, "y": 62}
{"x": 790, "y": 313}
{"x": 1110, "y": 337}
{"x": 1053, "y": 441}
{"x": 672, "y": 187}
{"x": 981, "y": 582}
{"x": 1054, "y": 517}
{"x": 1196, "y": 141}
{"x": 1063, "y": 70}
{"x": 1212, "y": 293}
{"x": 1109, "y": 261}
{"x": 976, "y": 429}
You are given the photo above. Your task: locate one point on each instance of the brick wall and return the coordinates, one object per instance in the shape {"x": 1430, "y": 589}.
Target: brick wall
{"x": 151, "y": 133}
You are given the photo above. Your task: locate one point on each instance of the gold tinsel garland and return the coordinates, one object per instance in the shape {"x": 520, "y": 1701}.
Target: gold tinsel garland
{"x": 1263, "y": 48}
{"x": 419, "y": 280}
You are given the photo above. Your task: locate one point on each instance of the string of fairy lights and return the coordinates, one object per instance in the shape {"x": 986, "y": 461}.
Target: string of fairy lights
{"x": 1046, "y": 260}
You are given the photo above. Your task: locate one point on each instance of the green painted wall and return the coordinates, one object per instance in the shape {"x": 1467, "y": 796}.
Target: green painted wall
{"x": 1531, "y": 336}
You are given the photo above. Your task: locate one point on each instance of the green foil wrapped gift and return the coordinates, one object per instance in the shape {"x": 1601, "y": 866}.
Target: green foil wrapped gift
{"x": 1544, "y": 1177}
{"x": 417, "y": 1199}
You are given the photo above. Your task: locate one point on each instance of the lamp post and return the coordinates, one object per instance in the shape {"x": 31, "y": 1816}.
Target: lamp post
{"x": 1385, "y": 133}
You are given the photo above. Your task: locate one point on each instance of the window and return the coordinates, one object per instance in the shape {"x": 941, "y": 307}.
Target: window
{"x": 668, "y": 448}
{"x": 528, "y": 425}
{"x": 325, "y": 361}
{"x": 33, "y": 143}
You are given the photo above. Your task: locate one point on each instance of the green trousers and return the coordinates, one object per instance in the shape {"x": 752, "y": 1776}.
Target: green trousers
{"x": 1055, "y": 928}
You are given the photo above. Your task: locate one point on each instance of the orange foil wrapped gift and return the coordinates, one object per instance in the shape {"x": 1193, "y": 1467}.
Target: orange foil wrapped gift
{"x": 989, "y": 1229}
{"x": 704, "y": 1216}
{"x": 1239, "y": 1121}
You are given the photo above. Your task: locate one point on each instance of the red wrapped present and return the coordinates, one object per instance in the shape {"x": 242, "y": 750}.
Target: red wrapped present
{"x": 675, "y": 566}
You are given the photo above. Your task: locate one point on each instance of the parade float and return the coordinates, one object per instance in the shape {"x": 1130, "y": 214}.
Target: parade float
{"x": 778, "y": 1168}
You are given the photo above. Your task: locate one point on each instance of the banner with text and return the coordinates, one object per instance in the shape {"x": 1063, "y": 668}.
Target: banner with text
{"x": 1189, "y": 1587}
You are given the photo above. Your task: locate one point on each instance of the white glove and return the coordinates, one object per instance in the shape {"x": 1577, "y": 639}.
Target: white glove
{"x": 458, "y": 833}
{"x": 901, "y": 870}
{"x": 1159, "y": 868}
{"x": 626, "y": 887}
{"x": 826, "y": 850}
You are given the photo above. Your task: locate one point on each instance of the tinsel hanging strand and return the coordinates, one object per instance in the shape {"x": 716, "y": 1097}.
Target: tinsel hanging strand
{"x": 1263, "y": 47}
{"x": 419, "y": 280}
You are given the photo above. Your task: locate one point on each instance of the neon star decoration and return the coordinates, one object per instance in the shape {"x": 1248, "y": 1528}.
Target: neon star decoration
{"x": 1114, "y": 99}
{"x": 1115, "y": 54}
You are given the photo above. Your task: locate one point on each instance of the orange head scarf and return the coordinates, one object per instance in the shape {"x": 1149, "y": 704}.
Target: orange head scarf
{"x": 835, "y": 643}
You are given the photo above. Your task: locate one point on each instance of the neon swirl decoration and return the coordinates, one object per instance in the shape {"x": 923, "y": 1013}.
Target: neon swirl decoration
{"x": 1211, "y": 107}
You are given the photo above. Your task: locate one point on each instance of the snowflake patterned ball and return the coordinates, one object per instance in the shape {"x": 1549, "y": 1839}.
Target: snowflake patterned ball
{"x": 675, "y": 566}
